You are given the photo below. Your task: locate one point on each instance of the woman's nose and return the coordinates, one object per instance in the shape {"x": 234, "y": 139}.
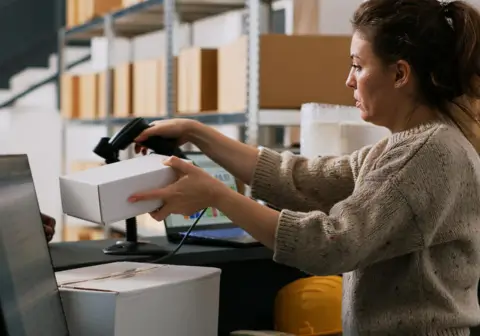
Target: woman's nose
{"x": 351, "y": 83}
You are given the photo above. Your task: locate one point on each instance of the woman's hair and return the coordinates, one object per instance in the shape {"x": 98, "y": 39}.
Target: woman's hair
{"x": 441, "y": 42}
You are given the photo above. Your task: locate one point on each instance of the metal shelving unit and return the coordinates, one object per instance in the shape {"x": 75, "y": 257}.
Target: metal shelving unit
{"x": 154, "y": 15}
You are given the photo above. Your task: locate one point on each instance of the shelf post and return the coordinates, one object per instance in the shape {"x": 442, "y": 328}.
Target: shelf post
{"x": 169, "y": 13}
{"x": 110, "y": 39}
{"x": 253, "y": 53}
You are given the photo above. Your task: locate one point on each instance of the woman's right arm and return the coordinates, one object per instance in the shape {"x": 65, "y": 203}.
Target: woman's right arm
{"x": 236, "y": 157}
{"x": 284, "y": 180}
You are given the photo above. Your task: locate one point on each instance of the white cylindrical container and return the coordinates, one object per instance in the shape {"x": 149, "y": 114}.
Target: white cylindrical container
{"x": 335, "y": 130}
{"x": 321, "y": 130}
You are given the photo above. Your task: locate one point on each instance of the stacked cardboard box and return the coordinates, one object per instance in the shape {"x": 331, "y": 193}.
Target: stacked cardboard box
{"x": 293, "y": 70}
{"x": 81, "y": 11}
{"x": 149, "y": 87}
{"x": 197, "y": 80}
{"x": 69, "y": 100}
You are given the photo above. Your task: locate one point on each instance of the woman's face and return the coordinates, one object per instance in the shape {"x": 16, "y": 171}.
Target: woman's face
{"x": 375, "y": 86}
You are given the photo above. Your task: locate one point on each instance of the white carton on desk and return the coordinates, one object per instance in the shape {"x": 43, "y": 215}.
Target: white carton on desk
{"x": 127, "y": 298}
{"x": 100, "y": 195}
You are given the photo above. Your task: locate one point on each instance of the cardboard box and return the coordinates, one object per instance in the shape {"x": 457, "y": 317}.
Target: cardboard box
{"x": 291, "y": 136}
{"x": 197, "y": 80}
{"x": 90, "y": 9}
{"x": 149, "y": 85}
{"x": 70, "y": 96}
{"x": 102, "y": 94}
{"x": 139, "y": 88}
{"x": 88, "y": 102}
{"x": 326, "y": 17}
{"x": 123, "y": 90}
{"x": 127, "y": 298}
{"x": 72, "y": 13}
{"x": 100, "y": 195}
{"x": 293, "y": 70}
{"x": 80, "y": 165}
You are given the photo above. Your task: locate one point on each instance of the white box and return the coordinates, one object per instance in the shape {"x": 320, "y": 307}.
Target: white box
{"x": 122, "y": 52}
{"x": 100, "y": 195}
{"x": 127, "y": 298}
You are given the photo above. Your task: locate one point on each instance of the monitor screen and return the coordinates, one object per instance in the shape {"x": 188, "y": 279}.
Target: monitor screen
{"x": 29, "y": 297}
{"x": 211, "y": 216}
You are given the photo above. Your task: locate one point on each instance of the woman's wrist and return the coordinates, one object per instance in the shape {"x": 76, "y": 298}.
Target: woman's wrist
{"x": 194, "y": 131}
{"x": 220, "y": 193}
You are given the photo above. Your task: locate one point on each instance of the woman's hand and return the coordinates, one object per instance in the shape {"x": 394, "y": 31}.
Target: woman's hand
{"x": 180, "y": 129}
{"x": 194, "y": 190}
{"x": 48, "y": 226}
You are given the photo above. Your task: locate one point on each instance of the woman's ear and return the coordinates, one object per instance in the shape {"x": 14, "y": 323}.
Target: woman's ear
{"x": 402, "y": 73}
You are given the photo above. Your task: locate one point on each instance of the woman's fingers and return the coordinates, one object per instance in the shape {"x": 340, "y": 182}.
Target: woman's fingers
{"x": 159, "y": 193}
{"x": 161, "y": 213}
{"x": 140, "y": 149}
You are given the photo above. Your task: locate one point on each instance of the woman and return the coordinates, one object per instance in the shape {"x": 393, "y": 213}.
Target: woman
{"x": 400, "y": 219}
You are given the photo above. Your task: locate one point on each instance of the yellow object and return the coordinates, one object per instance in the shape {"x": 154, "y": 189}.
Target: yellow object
{"x": 310, "y": 307}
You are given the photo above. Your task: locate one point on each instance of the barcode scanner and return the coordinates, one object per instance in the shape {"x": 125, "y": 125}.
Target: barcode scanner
{"x": 109, "y": 149}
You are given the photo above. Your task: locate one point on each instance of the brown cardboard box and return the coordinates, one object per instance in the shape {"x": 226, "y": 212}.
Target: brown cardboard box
{"x": 102, "y": 94}
{"x": 88, "y": 101}
{"x": 80, "y": 165}
{"x": 72, "y": 13}
{"x": 70, "y": 96}
{"x": 149, "y": 87}
{"x": 197, "y": 80}
{"x": 306, "y": 18}
{"x": 291, "y": 136}
{"x": 123, "y": 90}
{"x": 90, "y": 9}
{"x": 139, "y": 88}
{"x": 293, "y": 70}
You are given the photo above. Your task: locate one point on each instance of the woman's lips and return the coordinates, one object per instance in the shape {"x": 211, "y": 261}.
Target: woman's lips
{"x": 357, "y": 103}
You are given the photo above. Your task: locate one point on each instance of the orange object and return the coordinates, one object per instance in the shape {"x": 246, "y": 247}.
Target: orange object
{"x": 310, "y": 307}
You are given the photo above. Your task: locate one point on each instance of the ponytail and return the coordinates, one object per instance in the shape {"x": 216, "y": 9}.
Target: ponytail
{"x": 464, "y": 110}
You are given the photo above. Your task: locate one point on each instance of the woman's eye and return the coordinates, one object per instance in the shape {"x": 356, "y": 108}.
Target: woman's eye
{"x": 356, "y": 67}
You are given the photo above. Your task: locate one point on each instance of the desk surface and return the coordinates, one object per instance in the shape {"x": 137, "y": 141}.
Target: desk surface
{"x": 67, "y": 255}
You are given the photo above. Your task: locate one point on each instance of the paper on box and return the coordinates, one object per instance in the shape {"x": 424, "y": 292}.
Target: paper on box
{"x": 100, "y": 195}
{"x": 126, "y": 298}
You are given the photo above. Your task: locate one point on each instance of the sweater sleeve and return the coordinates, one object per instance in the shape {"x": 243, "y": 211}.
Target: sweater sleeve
{"x": 289, "y": 181}
{"x": 375, "y": 223}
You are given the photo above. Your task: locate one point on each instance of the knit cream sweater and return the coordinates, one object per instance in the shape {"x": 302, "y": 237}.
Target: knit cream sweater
{"x": 400, "y": 220}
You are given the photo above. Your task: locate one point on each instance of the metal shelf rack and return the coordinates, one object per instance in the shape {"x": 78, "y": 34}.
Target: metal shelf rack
{"x": 154, "y": 15}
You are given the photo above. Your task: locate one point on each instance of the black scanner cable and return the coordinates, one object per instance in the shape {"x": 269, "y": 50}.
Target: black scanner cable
{"x": 180, "y": 244}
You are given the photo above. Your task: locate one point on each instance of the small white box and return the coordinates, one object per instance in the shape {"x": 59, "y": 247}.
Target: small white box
{"x": 127, "y": 298}
{"x": 100, "y": 195}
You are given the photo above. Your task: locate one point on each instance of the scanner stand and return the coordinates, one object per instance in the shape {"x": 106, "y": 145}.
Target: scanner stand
{"x": 132, "y": 247}
{"x": 109, "y": 150}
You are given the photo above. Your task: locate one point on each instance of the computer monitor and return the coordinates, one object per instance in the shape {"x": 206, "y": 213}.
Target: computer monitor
{"x": 30, "y": 302}
{"x": 212, "y": 217}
